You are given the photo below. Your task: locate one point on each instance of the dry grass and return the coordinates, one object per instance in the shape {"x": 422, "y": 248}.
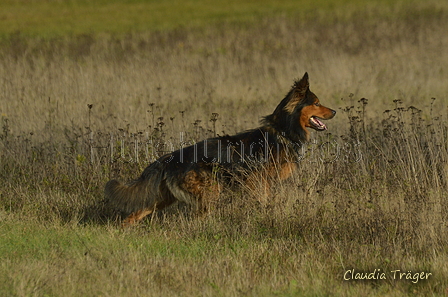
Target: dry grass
{"x": 221, "y": 70}
{"x": 370, "y": 194}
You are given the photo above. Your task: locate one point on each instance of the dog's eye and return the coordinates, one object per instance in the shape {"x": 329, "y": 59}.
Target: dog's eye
{"x": 317, "y": 104}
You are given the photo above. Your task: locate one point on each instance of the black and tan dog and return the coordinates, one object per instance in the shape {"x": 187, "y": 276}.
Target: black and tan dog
{"x": 197, "y": 173}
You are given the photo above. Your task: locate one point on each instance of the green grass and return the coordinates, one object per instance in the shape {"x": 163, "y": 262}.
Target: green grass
{"x": 61, "y": 18}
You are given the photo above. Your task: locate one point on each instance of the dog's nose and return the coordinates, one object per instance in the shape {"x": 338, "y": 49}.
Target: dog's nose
{"x": 334, "y": 112}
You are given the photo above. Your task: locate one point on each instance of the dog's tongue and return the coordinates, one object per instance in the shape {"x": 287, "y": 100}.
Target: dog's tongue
{"x": 318, "y": 123}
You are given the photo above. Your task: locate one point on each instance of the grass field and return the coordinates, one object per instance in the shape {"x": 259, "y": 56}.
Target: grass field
{"x": 60, "y": 18}
{"x": 94, "y": 90}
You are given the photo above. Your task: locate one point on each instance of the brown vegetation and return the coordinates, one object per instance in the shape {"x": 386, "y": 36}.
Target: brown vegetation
{"x": 370, "y": 193}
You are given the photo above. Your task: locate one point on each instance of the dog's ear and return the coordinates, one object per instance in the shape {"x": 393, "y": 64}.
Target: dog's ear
{"x": 297, "y": 93}
{"x": 301, "y": 86}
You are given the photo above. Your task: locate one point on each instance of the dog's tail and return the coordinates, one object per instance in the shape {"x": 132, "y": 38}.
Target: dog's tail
{"x": 126, "y": 198}
{"x": 137, "y": 195}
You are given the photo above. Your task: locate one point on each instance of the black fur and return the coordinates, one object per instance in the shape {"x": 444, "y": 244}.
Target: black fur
{"x": 197, "y": 173}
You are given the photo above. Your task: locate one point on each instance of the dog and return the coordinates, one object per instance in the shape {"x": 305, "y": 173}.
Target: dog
{"x": 196, "y": 174}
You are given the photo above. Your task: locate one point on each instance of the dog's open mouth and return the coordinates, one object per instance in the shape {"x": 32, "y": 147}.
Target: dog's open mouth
{"x": 316, "y": 124}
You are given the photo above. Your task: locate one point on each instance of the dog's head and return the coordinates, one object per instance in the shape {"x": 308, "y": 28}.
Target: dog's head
{"x": 300, "y": 109}
{"x": 306, "y": 103}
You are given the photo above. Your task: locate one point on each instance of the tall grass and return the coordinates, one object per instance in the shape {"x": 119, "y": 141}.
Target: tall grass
{"x": 211, "y": 69}
{"x": 370, "y": 193}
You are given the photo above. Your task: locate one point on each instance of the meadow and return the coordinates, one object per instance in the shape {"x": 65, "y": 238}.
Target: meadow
{"x": 94, "y": 90}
